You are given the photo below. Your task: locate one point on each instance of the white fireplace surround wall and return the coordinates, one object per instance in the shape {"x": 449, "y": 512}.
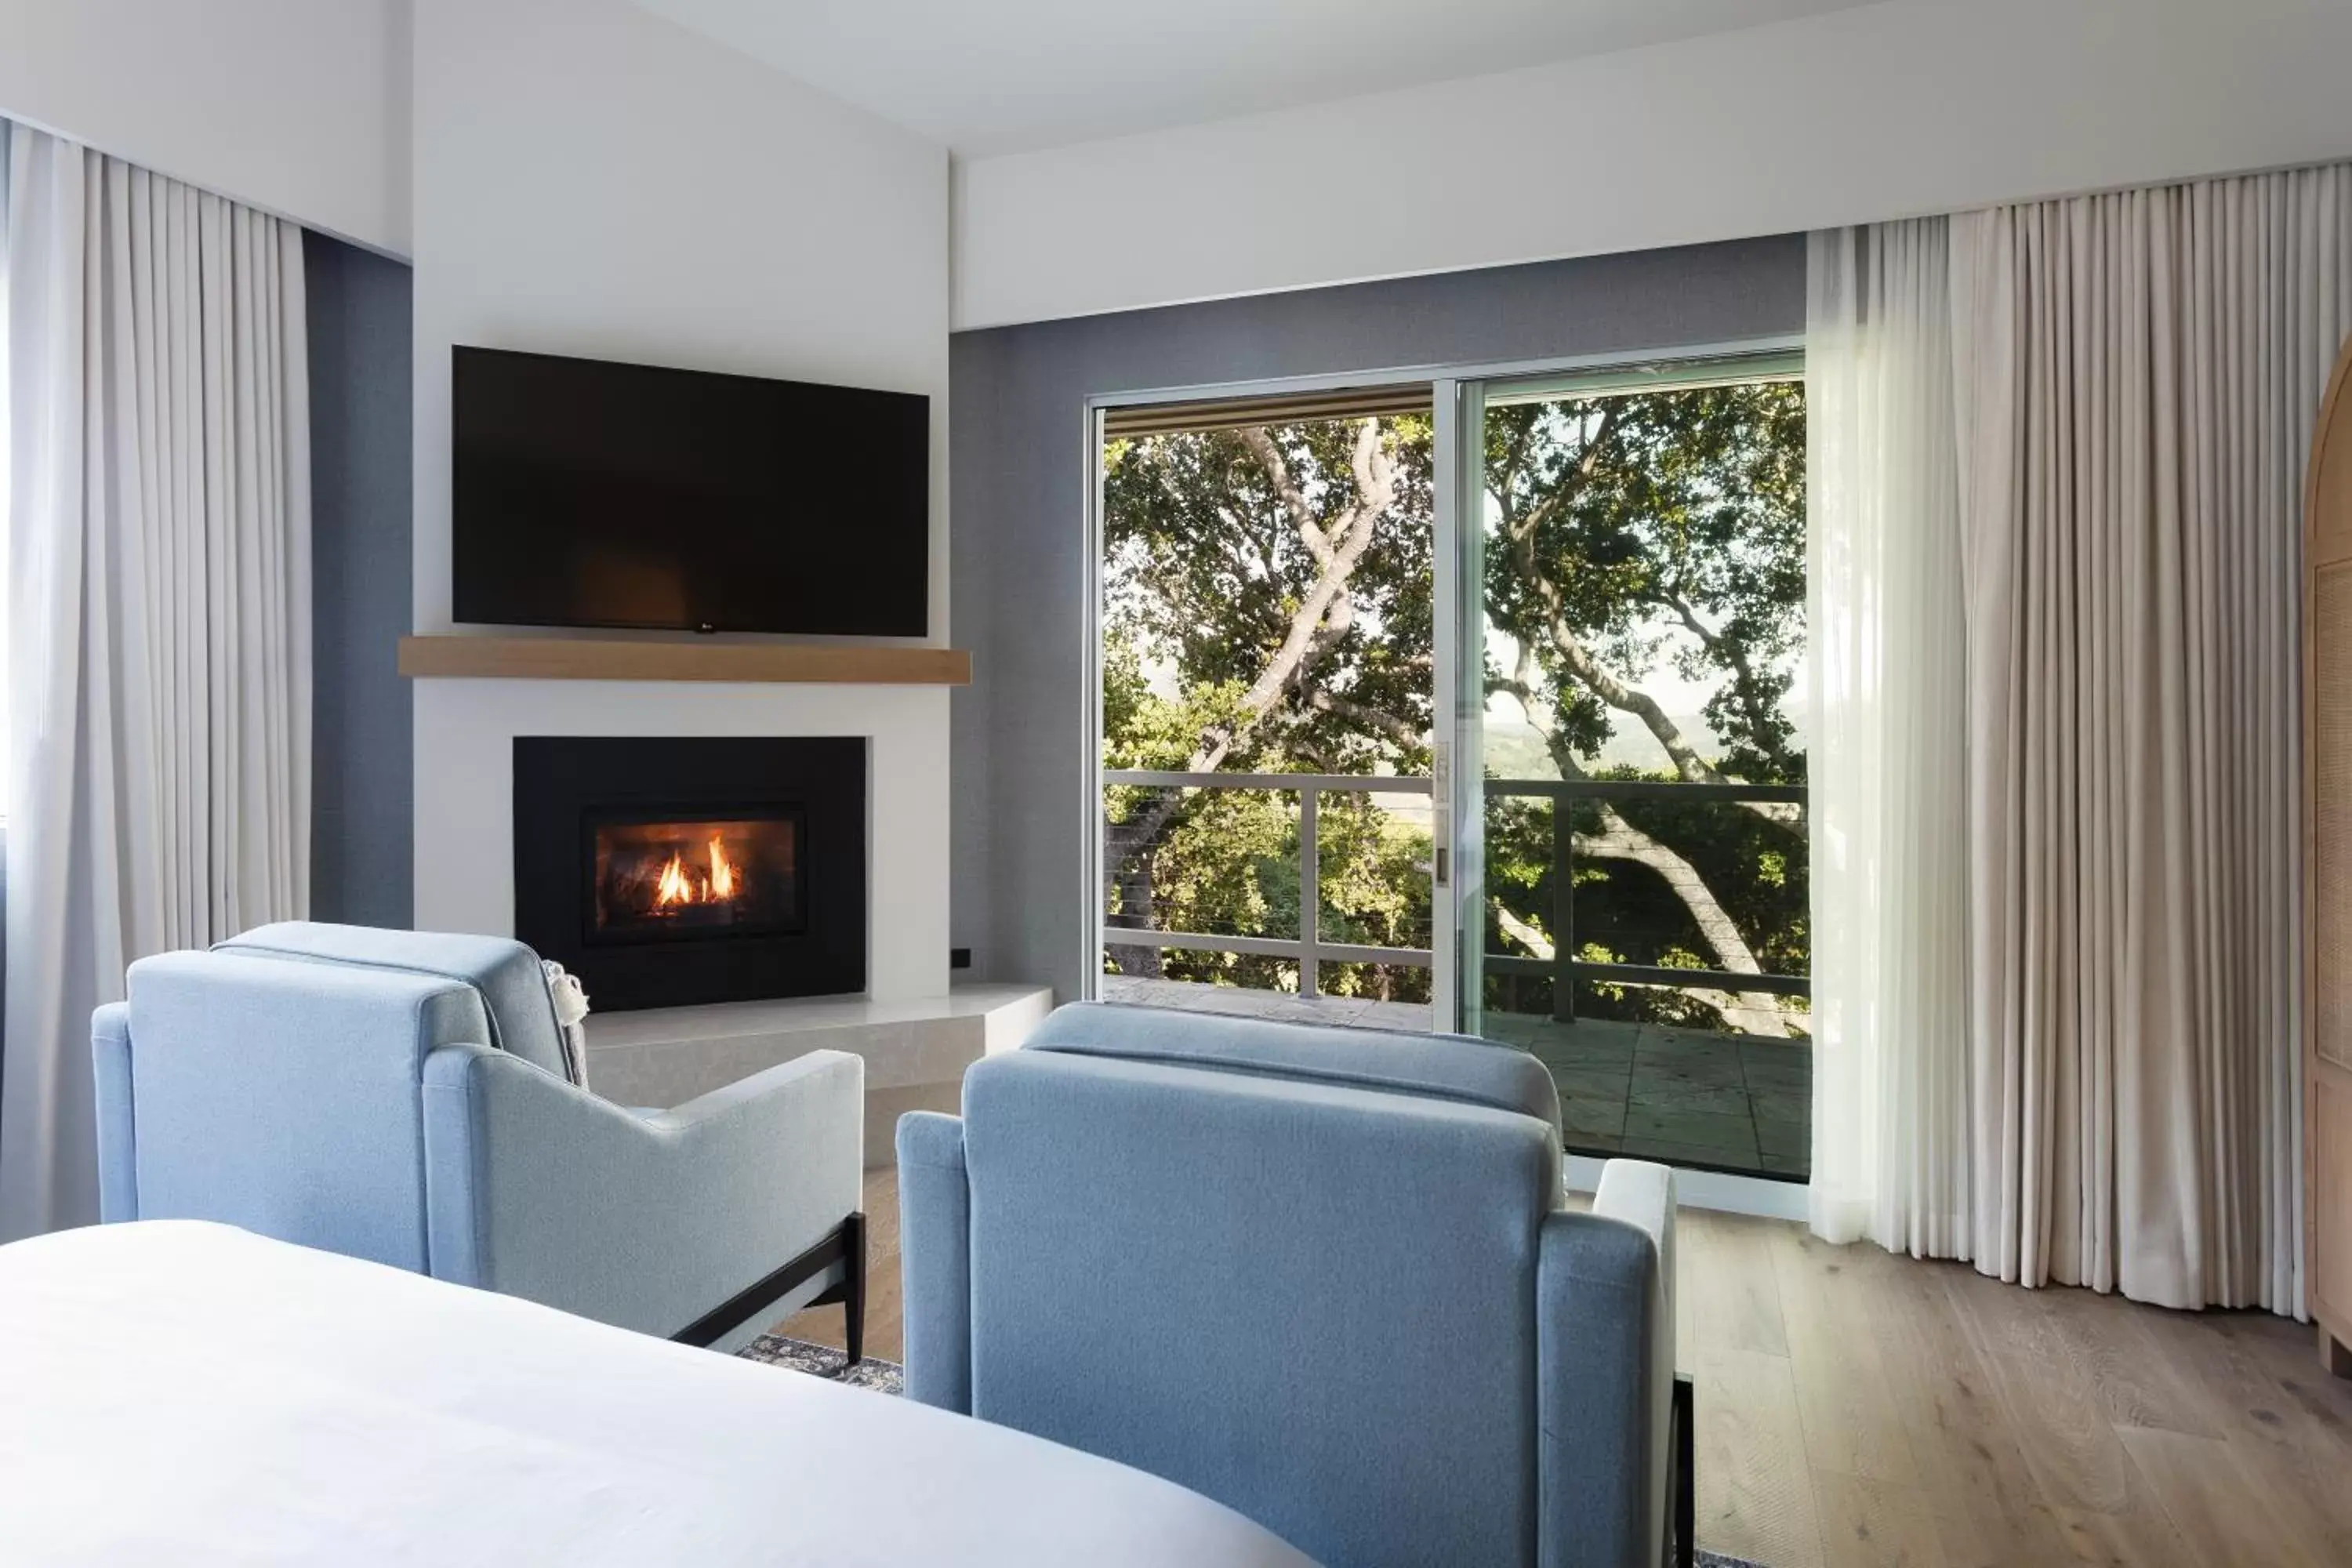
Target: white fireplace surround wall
{"x": 464, "y": 792}
{"x": 593, "y": 180}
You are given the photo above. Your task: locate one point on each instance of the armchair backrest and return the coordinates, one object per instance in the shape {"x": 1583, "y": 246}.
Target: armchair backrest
{"x": 1443, "y": 1067}
{"x": 507, "y": 975}
{"x": 281, "y": 1096}
{"x": 1295, "y": 1273}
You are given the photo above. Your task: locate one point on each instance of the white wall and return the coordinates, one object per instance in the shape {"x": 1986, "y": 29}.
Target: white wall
{"x": 591, "y": 180}
{"x": 297, "y": 106}
{"x": 1895, "y": 109}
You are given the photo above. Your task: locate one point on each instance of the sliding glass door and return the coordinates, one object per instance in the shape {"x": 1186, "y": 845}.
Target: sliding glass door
{"x": 1471, "y": 704}
{"x": 1642, "y": 915}
{"x": 1268, "y": 651}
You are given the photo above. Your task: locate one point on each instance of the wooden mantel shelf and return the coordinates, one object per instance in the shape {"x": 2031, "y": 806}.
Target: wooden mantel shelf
{"x": 583, "y": 658}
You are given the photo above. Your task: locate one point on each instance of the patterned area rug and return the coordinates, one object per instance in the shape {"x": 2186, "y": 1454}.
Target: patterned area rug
{"x": 823, "y": 1361}
{"x": 889, "y": 1377}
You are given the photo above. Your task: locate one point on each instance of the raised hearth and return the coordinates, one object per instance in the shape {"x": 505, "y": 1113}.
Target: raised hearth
{"x": 667, "y": 872}
{"x": 915, "y": 1052}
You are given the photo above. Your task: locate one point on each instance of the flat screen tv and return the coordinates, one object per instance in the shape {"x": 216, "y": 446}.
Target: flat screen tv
{"x": 594, "y": 494}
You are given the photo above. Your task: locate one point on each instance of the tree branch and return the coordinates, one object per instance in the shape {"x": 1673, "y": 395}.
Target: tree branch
{"x": 1743, "y": 676}
{"x": 1522, "y": 529}
{"x": 1580, "y": 660}
{"x": 1582, "y": 664}
{"x": 1396, "y": 727}
{"x": 1527, "y": 933}
{"x": 1619, "y": 839}
{"x": 1311, "y": 631}
{"x": 1730, "y": 652}
{"x": 1339, "y": 552}
{"x": 1294, "y": 501}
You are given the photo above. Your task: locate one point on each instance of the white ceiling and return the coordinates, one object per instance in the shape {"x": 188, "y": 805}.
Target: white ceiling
{"x": 995, "y": 75}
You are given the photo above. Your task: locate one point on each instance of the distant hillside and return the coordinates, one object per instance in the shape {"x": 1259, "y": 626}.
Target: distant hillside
{"x": 1515, "y": 751}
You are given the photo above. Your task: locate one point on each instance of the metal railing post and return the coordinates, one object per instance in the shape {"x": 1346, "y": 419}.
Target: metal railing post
{"x": 1563, "y": 912}
{"x": 1310, "y": 894}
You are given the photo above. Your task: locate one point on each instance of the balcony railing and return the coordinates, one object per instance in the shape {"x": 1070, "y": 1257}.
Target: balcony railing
{"x": 1563, "y": 968}
{"x": 1308, "y": 948}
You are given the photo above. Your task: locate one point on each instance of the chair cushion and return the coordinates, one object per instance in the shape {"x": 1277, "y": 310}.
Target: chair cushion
{"x": 1459, "y": 1067}
{"x": 507, "y": 974}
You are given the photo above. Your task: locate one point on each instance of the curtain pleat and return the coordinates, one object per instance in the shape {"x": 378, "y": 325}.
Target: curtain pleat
{"x": 158, "y": 615}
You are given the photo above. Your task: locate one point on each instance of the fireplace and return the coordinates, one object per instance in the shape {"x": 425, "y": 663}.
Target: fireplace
{"x": 668, "y": 871}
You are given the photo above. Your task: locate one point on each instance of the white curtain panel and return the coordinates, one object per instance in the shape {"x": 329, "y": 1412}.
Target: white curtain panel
{"x": 1889, "y": 917}
{"x": 158, "y": 585}
{"x": 2137, "y": 378}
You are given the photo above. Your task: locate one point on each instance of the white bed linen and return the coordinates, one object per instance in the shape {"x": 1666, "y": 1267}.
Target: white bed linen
{"x": 180, "y": 1392}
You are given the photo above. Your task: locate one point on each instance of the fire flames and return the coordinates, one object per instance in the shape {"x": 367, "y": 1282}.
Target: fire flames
{"x": 681, "y": 884}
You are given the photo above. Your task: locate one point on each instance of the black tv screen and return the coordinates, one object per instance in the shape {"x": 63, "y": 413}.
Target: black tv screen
{"x": 593, "y": 494}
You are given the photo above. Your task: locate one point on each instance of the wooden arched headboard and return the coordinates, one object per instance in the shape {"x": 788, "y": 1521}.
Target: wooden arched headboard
{"x": 2327, "y": 871}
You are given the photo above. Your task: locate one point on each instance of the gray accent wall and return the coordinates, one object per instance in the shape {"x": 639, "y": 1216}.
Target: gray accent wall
{"x": 1017, "y": 530}
{"x": 362, "y": 827}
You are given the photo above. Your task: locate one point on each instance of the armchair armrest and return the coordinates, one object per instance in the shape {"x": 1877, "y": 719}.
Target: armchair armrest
{"x": 1605, "y": 1373}
{"x": 1643, "y": 1194}
{"x": 117, "y": 1148}
{"x": 536, "y": 1189}
{"x": 935, "y": 1260}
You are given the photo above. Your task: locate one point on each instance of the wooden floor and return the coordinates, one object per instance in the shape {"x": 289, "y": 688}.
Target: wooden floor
{"x": 1858, "y": 1408}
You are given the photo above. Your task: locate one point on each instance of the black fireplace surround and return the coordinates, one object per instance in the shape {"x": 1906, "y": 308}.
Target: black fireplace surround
{"x": 666, "y": 872}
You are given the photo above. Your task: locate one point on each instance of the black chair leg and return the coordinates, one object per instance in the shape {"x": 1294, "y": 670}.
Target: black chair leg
{"x": 845, "y": 1245}
{"x": 1686, "y": 1479}
{"x": 853, "y": 1291}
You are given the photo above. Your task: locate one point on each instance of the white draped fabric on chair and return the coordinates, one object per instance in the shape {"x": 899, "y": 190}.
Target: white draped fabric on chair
{"x": 2133, "y": 380}
{"x": 158, "y": 609}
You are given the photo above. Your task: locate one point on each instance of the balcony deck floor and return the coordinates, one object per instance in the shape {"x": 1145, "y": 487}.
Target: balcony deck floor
{"x": 1679, "y": 1095}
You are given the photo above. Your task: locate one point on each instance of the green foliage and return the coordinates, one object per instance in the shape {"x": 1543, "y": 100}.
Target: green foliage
{"x": 1620, "y": 516}
{"x": 1374, "y": 871}
{"x": 1204, "y": 571}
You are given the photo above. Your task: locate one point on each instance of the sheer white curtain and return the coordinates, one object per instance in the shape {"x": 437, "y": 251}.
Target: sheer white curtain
{"x": 158, "y": 614}
{"x": 1890, "y": 1151}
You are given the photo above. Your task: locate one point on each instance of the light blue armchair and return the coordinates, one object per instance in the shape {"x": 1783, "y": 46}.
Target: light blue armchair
{"x": 401, "y": 1097}
{"x": 1323, "y": 1275}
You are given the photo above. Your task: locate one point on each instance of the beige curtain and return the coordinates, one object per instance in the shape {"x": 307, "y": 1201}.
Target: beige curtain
{"x": 2136, "y": 378}
{"x": 158, "y": 614}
